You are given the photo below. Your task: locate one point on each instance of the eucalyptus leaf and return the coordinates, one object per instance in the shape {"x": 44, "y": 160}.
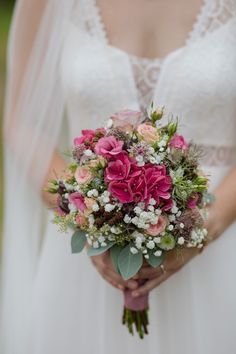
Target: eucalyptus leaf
{"x": 96, "y": 251}
{"x": 155, "y": 261}
{"x": 115, "y": 252}
{"x": 129, "y": 263}
{"x": 78, "y": 241}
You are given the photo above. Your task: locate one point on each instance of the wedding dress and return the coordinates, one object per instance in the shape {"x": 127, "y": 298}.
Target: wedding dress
{"x": 72, "y": 309}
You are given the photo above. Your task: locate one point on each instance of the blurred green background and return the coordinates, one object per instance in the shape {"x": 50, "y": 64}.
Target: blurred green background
{"x": 6, "y": 9}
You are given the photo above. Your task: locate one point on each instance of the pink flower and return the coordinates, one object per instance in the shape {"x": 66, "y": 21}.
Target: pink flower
{"x": 60, "y": 212}
{"x": 156, "y": 229}
{"x": 193, "y": 200}
{"x": 83, "y": 175}
{"x": 118, "y": 169}
{"x": 126, "y": 119}
{"x": 78, "y": 200}
{"x": 86, "y": 139}
{"x": 148, "y": 133}
{"x": 81, "y": 220}
{"x": 121, "y": 191}
{"x": 159, "y": 185}
{"x": 178, "y": 142}
{"x": 108, "y": 146}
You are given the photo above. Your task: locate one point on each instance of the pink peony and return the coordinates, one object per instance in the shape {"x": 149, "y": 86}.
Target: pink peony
{"x": 86, "y": 139}
{"x": 126, "y": 119}
{"x": 108, "y": 146}
{"x": 148, "y": 133}
{"x": 156, "y": 229}
{"x": 178, "y": 142}
{"x": 83, "y": 175}
{"x": 78, "y": 200}
{"x": 121, "y": 191}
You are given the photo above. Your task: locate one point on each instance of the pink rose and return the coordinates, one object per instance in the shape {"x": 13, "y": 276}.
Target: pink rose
{"x": 78, "y": 200}
{"x": 86, "y": 139}
{"x": 178, "y": 142}
{"x": 126, "y": 119}
{"x": 158, "y": 228}
{"x": 192, "y": 201}
{"x": 108, "y": 146}
{"x": 81, "y": 220}
{"x": 83, "y": 175}
{"x": 121, "y": 191}
{"x": 118, "y": 169}
{"x": 148, "y": 133}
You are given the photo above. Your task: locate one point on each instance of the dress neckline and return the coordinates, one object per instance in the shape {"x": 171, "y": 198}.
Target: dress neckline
{"x": 104, "y": 34}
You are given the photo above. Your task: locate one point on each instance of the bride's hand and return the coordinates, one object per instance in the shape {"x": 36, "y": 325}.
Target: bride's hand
{"x": 155, "y": 276}
{"x": 173, "y": 263}
{"x": 104, "y": 266}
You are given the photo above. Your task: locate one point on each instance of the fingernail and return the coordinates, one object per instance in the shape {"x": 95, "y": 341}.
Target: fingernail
{"x": 121, "y": 287}
{"x": 135, "y": 276}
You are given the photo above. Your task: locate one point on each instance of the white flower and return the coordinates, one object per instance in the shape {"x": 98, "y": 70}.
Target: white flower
{"x": 151, "y": 150}
{"x": 151, "y": 208}
{"x": 95, "y": 244}
{"x": 152, "y": 159}
{"x": 88, "y": 152}
{"x": 161, "y": 149}
{"x": 139, "y": 158}
{"x": 174, "y": 209}
{"x": 181, "y": 225}
{"x": 72, "y": 207}
{"x": 109, "y": 123}
{"x": 95, "y": 207}
{"x": 151, "y": 245}
{"x": 180, "y": 240}
{"x": 178, "y": 214}
{"x": 135, "y": 220}
{"x": 103, "y": 244}
{"x": 172, "y": 218}
{"x": 109, "y": 207}
{"x": 133, "y": 250}
{"x": 157, "y": 239}
{"x": 146, "y": 256}
{"x": 115, "y": 230}
{"x": 66, "y": 195}
{"x": 170, "y": 227}
{"x": 127, "y": 219}
{"x": 137, "y": 210}
{"x": 158, "y": 253}
{"x": 95, "y": 193}
{"x": 90, "y": 193}
{"x": 152, "y": 201}
{"x": 101, "y": 238}
{"x": 157, "y": 211}
{"x": 105, "y": 199}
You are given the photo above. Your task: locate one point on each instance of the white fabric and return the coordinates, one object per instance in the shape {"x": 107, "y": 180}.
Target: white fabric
{"x": 69, "y": 308}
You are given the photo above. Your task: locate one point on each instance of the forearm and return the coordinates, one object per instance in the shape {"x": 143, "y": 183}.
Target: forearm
{"x": 223, "y": 211}
{"x": 56, "y": 168}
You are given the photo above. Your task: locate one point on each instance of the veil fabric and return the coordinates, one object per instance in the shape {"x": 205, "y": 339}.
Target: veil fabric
{"x": 34, "y": 110}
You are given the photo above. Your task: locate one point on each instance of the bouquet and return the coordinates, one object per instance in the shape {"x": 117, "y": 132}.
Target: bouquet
{"x": 134, "y": 188}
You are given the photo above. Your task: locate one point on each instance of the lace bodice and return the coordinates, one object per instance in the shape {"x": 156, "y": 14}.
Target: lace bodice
{"x": 197, "y": 82}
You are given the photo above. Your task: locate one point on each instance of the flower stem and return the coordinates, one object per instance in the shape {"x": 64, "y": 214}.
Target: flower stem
{"x": 136, "y": 319}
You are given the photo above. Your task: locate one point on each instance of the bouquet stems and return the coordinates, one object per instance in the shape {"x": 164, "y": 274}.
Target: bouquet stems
{"x": 136, "y": 319}
{"x": 135, "y": 314}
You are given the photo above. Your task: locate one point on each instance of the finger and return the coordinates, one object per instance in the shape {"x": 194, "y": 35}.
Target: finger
{"x": 149, "y": 285}
{"x": 131, "y": 284}
{"x": 149, "y": 273}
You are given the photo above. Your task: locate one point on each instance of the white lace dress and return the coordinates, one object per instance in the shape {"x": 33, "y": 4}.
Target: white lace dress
{"x": 74, "y": 311}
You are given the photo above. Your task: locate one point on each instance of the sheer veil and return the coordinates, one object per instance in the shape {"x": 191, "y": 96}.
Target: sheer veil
{"x": 33, "y": 117}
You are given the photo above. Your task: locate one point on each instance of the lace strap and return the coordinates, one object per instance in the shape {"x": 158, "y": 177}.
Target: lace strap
{"x": 214, "y": 13}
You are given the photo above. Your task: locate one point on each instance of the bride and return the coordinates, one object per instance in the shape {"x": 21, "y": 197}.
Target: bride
{"x": 71, "y": 64}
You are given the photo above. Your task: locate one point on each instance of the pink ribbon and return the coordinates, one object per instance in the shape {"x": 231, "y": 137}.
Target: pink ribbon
{"x": 135, "y": 303}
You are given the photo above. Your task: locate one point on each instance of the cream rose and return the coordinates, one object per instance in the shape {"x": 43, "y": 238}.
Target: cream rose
{"x": 83, "y": 175}
{"x": 148, "y": 133}
{"x": 158, "y": 228}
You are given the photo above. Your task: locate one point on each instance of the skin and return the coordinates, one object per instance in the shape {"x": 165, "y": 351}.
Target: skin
{"x": 154, "y": 28}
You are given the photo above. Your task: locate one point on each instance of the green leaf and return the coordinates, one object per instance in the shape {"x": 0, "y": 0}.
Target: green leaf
{"x": 96, "y": 251}
{"x": 129, "y": 263}
{"x": 155, "y": 261}
{"x": 115, "y": 252}
{"x": 78, "y": 241}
